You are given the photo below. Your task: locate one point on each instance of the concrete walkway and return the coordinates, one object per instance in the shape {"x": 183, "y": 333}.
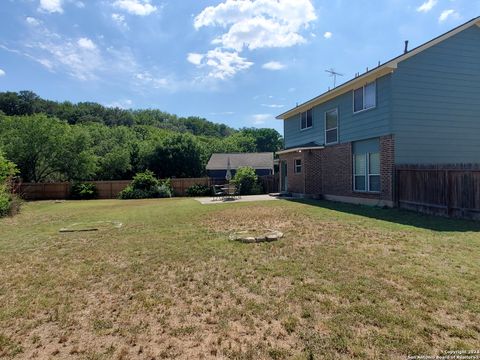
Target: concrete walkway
{"x": 244, "y": 198}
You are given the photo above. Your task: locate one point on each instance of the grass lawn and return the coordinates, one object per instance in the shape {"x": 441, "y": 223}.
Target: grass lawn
{"x": 345, "y": 282}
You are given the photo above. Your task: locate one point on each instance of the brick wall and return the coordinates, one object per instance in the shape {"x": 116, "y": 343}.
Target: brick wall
{"x": 296, "y": 182}
{"x": 330, "y": 171}
{"x": 337, "y": 169}
{"x": 313, "y": 172}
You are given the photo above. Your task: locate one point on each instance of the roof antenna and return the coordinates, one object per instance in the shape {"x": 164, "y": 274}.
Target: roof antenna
{"x": 406, "y": 47}
{"x": 333, "y": 74}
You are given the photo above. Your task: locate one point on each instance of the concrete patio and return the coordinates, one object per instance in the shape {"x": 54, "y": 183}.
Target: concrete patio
{"x": 245, "y": 198}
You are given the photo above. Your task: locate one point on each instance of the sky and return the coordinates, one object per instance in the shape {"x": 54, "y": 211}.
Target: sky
{"x": 238, "y": 62}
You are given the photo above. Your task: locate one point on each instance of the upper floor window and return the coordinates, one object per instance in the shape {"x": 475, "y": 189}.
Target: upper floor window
{"x": 331, "y": 126}
{"x": 307, "y": 120}
{"x": 298, "y": 166}
{"x": 365, "y": 97}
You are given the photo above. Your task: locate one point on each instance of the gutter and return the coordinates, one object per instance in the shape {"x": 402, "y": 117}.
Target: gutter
{"x": 300, "y": 149}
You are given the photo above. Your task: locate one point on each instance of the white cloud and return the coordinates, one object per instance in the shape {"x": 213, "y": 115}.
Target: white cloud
{"x": 147, "y": 79}
{"x": 136, "y": 7}
{"x": 222, "y": 64}
{"x": 80, "y": 58}
{"x": 273, "y": 106}
{"x": 448, "y": 14}
{"x": 258, "y": 23}
{"x": 195, "y": 59}
{"x": 120, "y": 20}
{"x": 86, "y": 44}
{"x": 80, "y": 4}
{"x": 2, "y": 73}
{"x": 328, "y": 35}
{"x": 273, "y": 65}
{"x": 427, "y": 6}
{"x": 260, "y": 119}
{"x": 121, "y": 104}
{"x": 32, "y": 21}
{"x": 51, "y": 6}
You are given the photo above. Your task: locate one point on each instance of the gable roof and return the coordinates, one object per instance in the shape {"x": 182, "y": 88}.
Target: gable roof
{"x": 376, "y": 73}
{"x": 254, "y": 160}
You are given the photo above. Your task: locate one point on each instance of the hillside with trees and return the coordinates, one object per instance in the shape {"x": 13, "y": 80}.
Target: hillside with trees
{"x": 63, "y": 141}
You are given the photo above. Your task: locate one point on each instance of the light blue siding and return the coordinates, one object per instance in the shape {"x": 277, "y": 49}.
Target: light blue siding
{"x": 366, "y": 146}
{"x": 364, "y": 125}
{"x": 436, "y": 103}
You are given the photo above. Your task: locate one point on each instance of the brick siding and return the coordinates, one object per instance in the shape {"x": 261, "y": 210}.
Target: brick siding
{"x": 329, "y": 171}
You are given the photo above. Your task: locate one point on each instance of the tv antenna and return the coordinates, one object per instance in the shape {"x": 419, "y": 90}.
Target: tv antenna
{"x": 333, "y": 74}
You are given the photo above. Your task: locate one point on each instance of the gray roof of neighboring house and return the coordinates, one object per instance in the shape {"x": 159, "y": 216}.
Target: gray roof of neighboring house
{"x": 254, "y": 160}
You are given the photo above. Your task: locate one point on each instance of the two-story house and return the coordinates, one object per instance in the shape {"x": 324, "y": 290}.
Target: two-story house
{"x": 422, "y": 107}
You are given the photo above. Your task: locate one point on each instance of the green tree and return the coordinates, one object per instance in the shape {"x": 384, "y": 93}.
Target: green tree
{"x": 45, "y": 148}
{"x": 266, "y": 140}
{"x": 177, "y": 156}
{"x": 112, "y": 148}
{"x": 7, "y": 168}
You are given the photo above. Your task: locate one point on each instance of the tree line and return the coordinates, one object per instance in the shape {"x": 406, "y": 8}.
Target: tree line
{"x": 53, "y": 141}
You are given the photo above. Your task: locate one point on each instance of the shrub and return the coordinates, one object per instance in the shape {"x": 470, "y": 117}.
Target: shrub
{"x": 247, "y": 179}
{"x": 145, "y": 185}
{"x": 199, "y": 190}
{"x": 9, "y": 203}
{"x": 5, "y": 200}
{"x": 145, "y": 181}
{"x": 84, "y": 191}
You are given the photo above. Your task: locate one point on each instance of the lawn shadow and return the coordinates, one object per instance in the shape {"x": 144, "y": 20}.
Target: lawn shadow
{"x": 398, "y": 216}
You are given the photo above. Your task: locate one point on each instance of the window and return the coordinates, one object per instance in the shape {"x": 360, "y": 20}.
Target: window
{"x": 365, "y": 97}
{"x": 360, "y": 172}
{"x": 307, "y": 120}
{"x": 298, "y": 166}
{"x": 366, "y": 172}
{"x": 374, "y": 172}
{"x": 331, "y": 126}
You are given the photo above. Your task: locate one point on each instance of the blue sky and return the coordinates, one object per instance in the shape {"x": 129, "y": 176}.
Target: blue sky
{"x": 240, "y": 62}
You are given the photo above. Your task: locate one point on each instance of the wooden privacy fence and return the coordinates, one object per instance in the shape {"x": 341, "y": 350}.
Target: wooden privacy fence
{"x": 111, "y": 189}
{"x": 105, "y": 189}
{"x": 447, "y": 190}
{"x": 270, "y": 183}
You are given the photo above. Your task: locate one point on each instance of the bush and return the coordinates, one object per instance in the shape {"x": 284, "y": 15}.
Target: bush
{"x": 199, "y": 190}
{"x": 145, "y": 185}
{"x": 5, "y": 200}
{"x": 145, "y": 181}
{"x": 247, "y": 179}
{"x": 84, "y": 191}
{"x": 9, "y": 203}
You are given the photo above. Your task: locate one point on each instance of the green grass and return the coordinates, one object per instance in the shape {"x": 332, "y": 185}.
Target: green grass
{"x": 345, "y": 282}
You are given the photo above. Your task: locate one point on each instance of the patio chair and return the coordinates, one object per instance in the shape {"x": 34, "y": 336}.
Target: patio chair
{"x": 217, "y": 192}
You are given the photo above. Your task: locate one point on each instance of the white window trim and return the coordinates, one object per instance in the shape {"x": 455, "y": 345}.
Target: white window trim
{"x": 363, "y": 107}
{"x": 295, "y": 166}
{"x": 308, "y": 127}
{"x": 367, "y": 175}
{"x": 325, "y": 122}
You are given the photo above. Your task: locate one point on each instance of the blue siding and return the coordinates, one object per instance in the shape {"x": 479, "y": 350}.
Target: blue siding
{"x": 436, "y": 103}
{"x": 364, "y": 125}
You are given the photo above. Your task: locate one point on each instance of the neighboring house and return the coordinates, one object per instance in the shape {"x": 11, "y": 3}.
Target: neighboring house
{"x": 422, "y": 107}
{"x": 261, "y": 162}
